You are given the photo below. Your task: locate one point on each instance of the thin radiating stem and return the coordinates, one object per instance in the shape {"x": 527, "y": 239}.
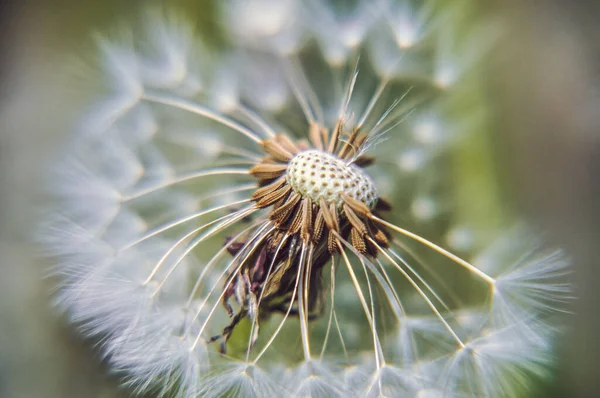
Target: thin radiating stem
{"x": 260, "y": 298}
{"x": 424, "y": 282}
{"x": 421, "y": 293}
{"x": 372, "y": 300}
{"x": 260, "y": 236}
{"x": 332, "y": 293}
{"x": 309, "y": 103}
{"x": 438, "y": 279}
{"x": 227, "y": 191}
{"x": 232, "y": 274}
{"x": 285, "y": 317}
{"x": 205, "y": 236}
{"x": 438, "y": 249}
{"x": 402, "y": 316}
{"x": 302, "y": 297}
{"x": 363, "y": 302}
{"x": 225, "y": 220}
{"x": 224, "y": 148}
{"x": 231, "y": 150}
{"x": 193, "y": 107}
{"x": 182, "y": 220}
{"x": 382, "y": 85}
{"x": 339, "y": 330}
{"x": 402, "y": 312}
{"x": 255, "y": 117}
{"x": 348, "y": 92}
{"x": 186, "y": 177}
{"x": 234, "y": 162}
{"x": 213, "y": 260}
{"x": 385, "y": 282}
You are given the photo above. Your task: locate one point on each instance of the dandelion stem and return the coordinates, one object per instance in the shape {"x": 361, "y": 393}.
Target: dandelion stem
{"x": 232, "y": 275}
{"x": 231, "y": 150}
{"x": 310, "y": 104}
{"x": 186, "y": 177}
{"x": 198, "y": 109}
{"x": 302, "y": 298}
{"x": 385, "y": 282}
{"x": 382, "y": 85}
{"x": 332, "y": 294}
{"x": 424, "y": 282}
{"x": 183, "y": 220}
{"x": 259, "y": 236}
{"x": 212, "y": 261}
{"x": 363, "y": 303}
{"x": 226, "y": 220}
{"x": 345, "y": 103}
{"x": 254, "y": 117}
{"x": 401, "y": 315}
{"x": 421, "y": 293}
{"x": 371, "y": 299}
{"x": 435, "y": 275}
{"x": 285, "y": 317}
{"x": 339, "y": 329}
{"x": 260, "y": 298}
{"x": 390, "y": 286}
{"x": 438, "y": 249}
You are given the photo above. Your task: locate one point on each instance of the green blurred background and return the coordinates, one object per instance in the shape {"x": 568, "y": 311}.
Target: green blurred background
{"x": 544, "y": 148}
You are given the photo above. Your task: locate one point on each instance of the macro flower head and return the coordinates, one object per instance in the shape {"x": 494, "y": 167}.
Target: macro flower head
{"x": 279, "y": 216}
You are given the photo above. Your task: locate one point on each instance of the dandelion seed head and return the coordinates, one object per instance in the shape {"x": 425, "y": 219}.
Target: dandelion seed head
{"x": 247, "y": 222}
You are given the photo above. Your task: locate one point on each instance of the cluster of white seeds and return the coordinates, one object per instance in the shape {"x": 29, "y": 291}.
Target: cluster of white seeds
{"x": 316, "y": 174}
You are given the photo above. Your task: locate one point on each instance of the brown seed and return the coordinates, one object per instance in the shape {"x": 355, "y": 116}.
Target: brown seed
{"x": 268, "y": 171}
{"x": 277, "y": 151}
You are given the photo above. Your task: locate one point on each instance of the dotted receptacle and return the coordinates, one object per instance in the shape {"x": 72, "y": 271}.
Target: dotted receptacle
{"x": 316, "y": 174}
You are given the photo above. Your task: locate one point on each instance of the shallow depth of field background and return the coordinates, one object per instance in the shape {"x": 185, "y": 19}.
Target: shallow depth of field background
{"x": 543, "y": 81}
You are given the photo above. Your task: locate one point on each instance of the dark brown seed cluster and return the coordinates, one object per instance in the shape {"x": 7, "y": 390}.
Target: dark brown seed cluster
{"x": 317, "y": 221}
{"x": 306, "y": 233}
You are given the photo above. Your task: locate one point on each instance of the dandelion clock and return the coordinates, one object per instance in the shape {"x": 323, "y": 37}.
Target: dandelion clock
{"x": 301, "y": 210}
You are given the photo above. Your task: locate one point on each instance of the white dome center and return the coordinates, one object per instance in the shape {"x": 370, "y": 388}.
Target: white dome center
{"x": 316, "y": 174}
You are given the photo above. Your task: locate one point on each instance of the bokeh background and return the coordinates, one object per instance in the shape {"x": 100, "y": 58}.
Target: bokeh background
{"x": 542, "y": 80}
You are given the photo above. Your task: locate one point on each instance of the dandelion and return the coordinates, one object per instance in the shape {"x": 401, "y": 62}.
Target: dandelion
{"x": 222, "y": 227}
